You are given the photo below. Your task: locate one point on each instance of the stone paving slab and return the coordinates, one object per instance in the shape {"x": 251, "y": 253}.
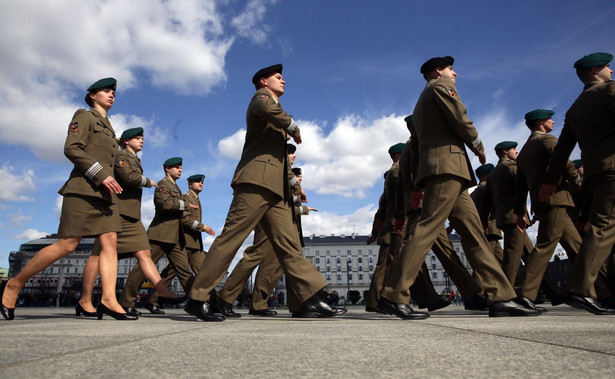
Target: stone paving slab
{"x": 53, "y": 343}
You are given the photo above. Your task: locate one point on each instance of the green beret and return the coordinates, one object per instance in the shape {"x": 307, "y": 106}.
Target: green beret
{"x": 266, "y": 72}
{"x": 103, "y": 83}
{"x": 173, "y": 161}
{"x": 296, "y": 170}
{"x": 505, "y": 145}
{"x": 129, "y": 133}
{"x": 539, "y": 114}
{"x": 437, "y": 62}
{"x": 397, "y": 148}
{"x": 290, "y": 148}
{"x": 196, "y": 178}
{"x": 577, "y": 163}
{"x": 408, "y": 119}
{"x": 592, "y": 60}
{"x": 484, "y": 169}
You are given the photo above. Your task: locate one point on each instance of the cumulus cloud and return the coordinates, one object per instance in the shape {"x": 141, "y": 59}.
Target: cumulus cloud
{"x": 49, "y": 59}
{"x": 18, "y": 220}
{"x": 15, "y": 186}
{"x": 326, "y": 223}
{"x": 31, "y": 234}
{"x": 231, "y": 147}
{"x": 249, "y": 24}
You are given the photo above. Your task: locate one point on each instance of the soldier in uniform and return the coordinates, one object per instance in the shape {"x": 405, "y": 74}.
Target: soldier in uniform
{"x": 441, "y": 131}
{"x": 493, "y": 234}
{"x": 132, "y": 240}
{"x": 192, "y": 228}
{"x": 589, "y": 121}
{"x": 166, "y": 236}
{"x": 262, "y": 195}
{"x": 89, "y": 207}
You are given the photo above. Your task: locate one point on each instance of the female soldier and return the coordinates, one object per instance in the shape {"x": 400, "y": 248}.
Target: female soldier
{"x": 90, "y": 202}
{"x": 133, "y": 237}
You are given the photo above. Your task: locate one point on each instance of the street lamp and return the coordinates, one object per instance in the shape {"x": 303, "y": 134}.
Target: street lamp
{"x": 348, "y": 262}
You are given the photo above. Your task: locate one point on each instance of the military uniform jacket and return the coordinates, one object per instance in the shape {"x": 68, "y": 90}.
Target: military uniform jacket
{"x": 378, "y": 226}
{"x": 442, "y": 130}
{"x": 91, "y": 147}
{"x": 264, "y": 158}
{"x": 169, "y": 203}
{"x": 500, "y": 192}
{"x": 402, "y": 203}
{"x": 487, "y": 214}
{"x": 391, "y": 188}
{"x": 191, "y": 221}
{"x": 590, "y": 121}
{"x": 129, "y": 174}
{"x": 532, "y": 163}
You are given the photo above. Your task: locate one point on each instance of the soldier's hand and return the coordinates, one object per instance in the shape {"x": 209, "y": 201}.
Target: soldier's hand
{"x": 303, "y": 196}
{"x": 482, "y": 158}
{"x": 153, "y": 183}
{"x": 207, "y": 229}
{"x": 415, "y": 199}
{"x": 312, "y": 209}
{"x": 297, "y": 138}
{"x": 400, "y": 224}
{"x": 193, "y": 206}
{"x": 370, "y": 240}
{"x": 485, "y": 226}
{"x": 522, "y": 224}
{"x": 112, "y": 185}
{"x": 546, "y": 191}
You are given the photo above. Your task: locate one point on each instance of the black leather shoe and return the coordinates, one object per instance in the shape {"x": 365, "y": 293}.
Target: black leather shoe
{"x": 558, "y": 299}
{"x": 476, "y": 303}
{"x": 202, "y": 310}
{"x": 132, "y": 311}
{"x": 529, "y": 304}
{"x": 402, "y": 311}
{"x": 79, "y": 310}
{"x": 262, "y": 312}
{"x": 511, "y": 308}
{"x": 588, "y": 303}
{"x": 222, "y": 306}
{"x": 7, "y": 313}
{"x": 102, "y": 309}
{"x": 442, "y": 303}
{"x": 153, "y": 309}
{"x": 372, "y": 309}
{"x": 314, "y": 307}
{"x": 171, "y": 300}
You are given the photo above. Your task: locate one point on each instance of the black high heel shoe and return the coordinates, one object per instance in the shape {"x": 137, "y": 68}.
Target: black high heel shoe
{"x": 102, "y": 309}
{"x": 8, "y": 313}
{"x": 79, "y": 310}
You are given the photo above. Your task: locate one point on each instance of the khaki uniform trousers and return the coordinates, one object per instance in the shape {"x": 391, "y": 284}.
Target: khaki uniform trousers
{"x": 496, "y": 247}
{"x": 252, "y": 205}
{"x": 260, "y": 254}
{"x": 517, "y": 245}
{"x": 599, "y": 239}
{"x": 446, "y": 196}
{"x": 195, "y": 260}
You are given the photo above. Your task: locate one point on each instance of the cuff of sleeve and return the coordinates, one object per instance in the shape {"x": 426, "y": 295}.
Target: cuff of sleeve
{"x": 93, "y": 171}
{"x": 476, "y": 142}
{"x": 195, "y": 225}
{"x": 181, "y": 205}
{"x": 144, "y": 181}
{"x": 293, "y": 181}
{"x": 295, "y": 198}
{"x": 292, "y": 128}
{"x": 577, "y": 179}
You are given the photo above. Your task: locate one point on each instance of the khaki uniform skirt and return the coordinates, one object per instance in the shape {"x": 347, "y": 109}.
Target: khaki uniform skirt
{"x": 84, "y": 216}
{"x": 131, "y": 239}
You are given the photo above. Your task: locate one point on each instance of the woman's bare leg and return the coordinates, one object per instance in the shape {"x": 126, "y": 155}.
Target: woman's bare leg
{"x": 107, "y": 266}
{"x": 150, "y": 272}
{"x": 90, "y": 272}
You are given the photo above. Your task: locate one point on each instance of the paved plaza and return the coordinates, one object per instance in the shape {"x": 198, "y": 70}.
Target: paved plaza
{"x": 53, "y": 343}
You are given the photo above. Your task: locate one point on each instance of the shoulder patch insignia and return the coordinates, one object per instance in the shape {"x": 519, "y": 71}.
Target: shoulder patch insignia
{"x": 74, "y": 127}
{"x": 450, "y": 92}
{"x": 121, "y": 163}
{"x": 265, "y": 96}
{"x": 161, "y": 189}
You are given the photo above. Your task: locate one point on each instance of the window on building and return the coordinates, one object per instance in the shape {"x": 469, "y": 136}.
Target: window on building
{"x": 360, "y": 268}
{"x": 434, "y": 275}
{"x": 338, "y": 260}
{"x": 328, "y": 277}
{"x": 433, "y": 266}
{"x": 338, "y": 252}
{"x": 328, "y": 253}
{"x": 348, "y": 252}
{"x": 360, "y": 278}
{"x": 350, "y": 278}
{"x": 433, "y": 258}
{"x": 317, "y": 253}
{"x": 317, "y": 268}
{"x": 339, "y": 277}
{"x": 371, "y": 267}
{"x": 338, "y": 267}
{"x": 328, "y": 260}
{"x": 316, "y": 260}
{"x": 76, "y": 270}
{"x": 328, "y": 268}
{"x": 360, "y": 252}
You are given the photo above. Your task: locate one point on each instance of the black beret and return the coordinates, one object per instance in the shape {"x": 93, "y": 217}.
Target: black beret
{"x": 196, "y": 178}
{"x": 104, "y": 83}
{"x": 290, "y": 148}
{"x": 397, "y": 148}
{"x": 594, "y": 59}
{"x": 484, "y": 169}
{"x": 539, "y": 114}
{"x": 577, "y": 163}
{"x": 172, "y": 161}
{"x": 436, "y": 62}
{"x": 267, "y": 71}
{"x": 296, "y": 170}
{"x": 408, "y": 119}
{"x": 133, "y": 132}
{"x": 505, "y": 145}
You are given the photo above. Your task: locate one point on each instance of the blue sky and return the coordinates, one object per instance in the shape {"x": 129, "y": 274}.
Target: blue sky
{"x": 352, "y": 72}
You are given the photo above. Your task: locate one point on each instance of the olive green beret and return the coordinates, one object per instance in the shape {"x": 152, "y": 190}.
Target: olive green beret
{"x": 133, "y": 132}
{"x": 505, "y": 145}
{"x": 290, "y": 148}
{"x": 196, "y": 178}
{"x": 437, "y": 62}
{"x": 296, "y": 170}
{"x": 539, "y": 114}
{"x": 103, "y": 83}
{"x": 484, "y": 169}
{"x": 397, "y": 148}
{"x": 266, "y": 72}
{"x": 577, "y": 163}
{"x": 173, "y": 161}
{"x": 595, "y": 59}
{"x": 408, "y": 119}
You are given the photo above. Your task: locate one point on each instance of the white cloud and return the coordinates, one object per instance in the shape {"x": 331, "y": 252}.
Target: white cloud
{"x": 18, "y": 220}
{"x": 326, "y": 223}
{"x": 249, "y": 24}
{"x": 15, "y": 186}
{"x": 31, "y": 234}
{"x": 231, "y": 147}
{"x": 57, "y": 209}
{"x": 50, "y": 59}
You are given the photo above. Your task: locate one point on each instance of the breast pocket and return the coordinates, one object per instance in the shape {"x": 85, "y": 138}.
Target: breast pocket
{"x": 101, "y": 135}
